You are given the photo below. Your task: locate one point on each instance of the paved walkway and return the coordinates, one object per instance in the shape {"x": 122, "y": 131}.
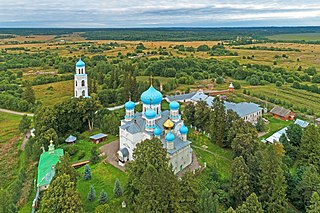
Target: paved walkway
{"x": 110, "y": 150}
{"x": 119, "y": 107}
{"x": 15, "y": 112}
{"x": 25, "y": 140}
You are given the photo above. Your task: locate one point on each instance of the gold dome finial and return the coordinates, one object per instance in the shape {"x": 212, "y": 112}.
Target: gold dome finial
{"x": 168, "y": 124}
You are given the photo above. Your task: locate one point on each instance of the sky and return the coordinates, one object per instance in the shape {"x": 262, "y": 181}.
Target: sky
{"x": 158, "y": 13}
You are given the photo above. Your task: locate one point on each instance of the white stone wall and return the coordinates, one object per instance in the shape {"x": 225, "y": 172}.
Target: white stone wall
{"x": 181, "y": 159}
{"x": 79, "y": 90}
{"x": 253, "y": 118}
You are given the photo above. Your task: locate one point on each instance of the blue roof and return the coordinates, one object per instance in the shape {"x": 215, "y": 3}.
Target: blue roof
{"x": 243, "y": 108}
{"x": 301, "y": 123}
{"x": 80, "y": 63}
{"x": 174, "y": 105}
{"x": 151, "y": 96}
{"x": 157, "y": 131}
{"x": 170, "y": 137}
{"x": 150, "y": 114}
{"x": 129, "y": 105}
{"x": 71, "y": 139}
{"x": 98, "y": 136}
{"x": 184, "y": 129}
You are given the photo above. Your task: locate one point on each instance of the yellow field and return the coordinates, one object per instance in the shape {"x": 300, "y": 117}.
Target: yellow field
{"x": 59, "y": 92}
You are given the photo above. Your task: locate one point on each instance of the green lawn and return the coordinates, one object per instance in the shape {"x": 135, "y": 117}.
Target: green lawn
{"x": 220, "y": 159}
{"x": 103, "y": 178}
{"x": 275, "y": 125}
{"x": 85, "y": 145}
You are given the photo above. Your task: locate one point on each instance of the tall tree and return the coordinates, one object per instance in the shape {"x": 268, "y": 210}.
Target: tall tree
{"x": 218, "y": 122}
{"x": 309, "y": 152}
{"x": 94, "y": 158}
{"x": 272, "y": 181}
{"x": 64, "y": 167}
{"x": 314, "y": 205}
{"x": 294, "y": 134}
{"x": 188, "y": 114}
{"x": 239, "y": 180}
{"x": 88, "y": 108}
{"x": 202, "y": 115}
{"x": 251, "y": 205}
{"x": 61, "y": 196}
{"x": 206, "y": 203}
{"x": 189, "y": 193}
{"x": 310, "y": 182}
{"x": 28, "y": 93}
{"x": 24, "y": 124}
{"x": 152, "y": 185}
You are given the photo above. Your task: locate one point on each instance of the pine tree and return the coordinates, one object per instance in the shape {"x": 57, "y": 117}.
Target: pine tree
{"x": 251, "y": 205}
{"x": 61, "y": 196}
{"x": 239, "y": 180}
{"x": 314, "y": 205}
{"x": 64, "y": 167}
{"x": 24, "y": 124}
{"x": 117, "y": 191}
{"x": 309, "y": 183}
{"x": 309, "y": 151}
{"x": 218, "y": 122}
{"x": 92, "y": 194}
{"x": 94, "y": 155}
{"x": 103, "y": 198}
{"x": 28, "y": 94}
{"x": 206, "y": 203}
{"x": 87, "y": 173}
{"x": 189, "y": 193}
{"x": 272, "y": 181}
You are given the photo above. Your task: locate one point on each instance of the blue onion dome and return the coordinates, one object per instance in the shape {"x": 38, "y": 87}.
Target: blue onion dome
{"x": 150, "y": 114}
{"x": 174, "y": 105}
{"x": 183, "y": 129}
{"x": 129, "y": 105}
{"x": 80, "y": 63}
{"x": 170, "y": 137}
{"x": 157, "y": 131}
{"x": 151, "y": 96}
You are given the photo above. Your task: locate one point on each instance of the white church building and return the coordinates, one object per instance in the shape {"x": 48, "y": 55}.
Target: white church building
{"x": 81, "y": 80}
{"x": 152, "y": 122}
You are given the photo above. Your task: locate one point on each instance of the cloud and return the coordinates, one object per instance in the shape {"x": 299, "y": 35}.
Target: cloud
{"x": 160, "y": 13}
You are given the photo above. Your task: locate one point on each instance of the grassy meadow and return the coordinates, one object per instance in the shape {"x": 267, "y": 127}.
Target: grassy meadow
{"x": 10, "y": 140}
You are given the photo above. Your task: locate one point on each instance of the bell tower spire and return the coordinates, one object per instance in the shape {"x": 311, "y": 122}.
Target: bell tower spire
{"x": 80, "y": 80}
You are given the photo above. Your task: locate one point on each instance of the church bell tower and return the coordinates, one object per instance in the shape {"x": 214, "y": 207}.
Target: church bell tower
{"x": 80, "y": 80}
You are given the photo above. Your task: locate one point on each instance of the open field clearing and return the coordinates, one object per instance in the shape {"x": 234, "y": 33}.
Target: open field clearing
{"x": 296, "y": 36}
{"x": 53, "y": 93}
{"x": 9, "y": 148}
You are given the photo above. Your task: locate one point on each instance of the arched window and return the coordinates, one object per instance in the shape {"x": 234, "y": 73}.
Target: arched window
{"x": 82, "y": 70}
{"x": 82, "y": 83}
{"x": 83, "y": 93}
{"x": 76, "y": 94}
{"x": 76, "y": 83}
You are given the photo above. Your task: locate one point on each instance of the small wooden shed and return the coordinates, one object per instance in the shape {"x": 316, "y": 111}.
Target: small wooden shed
{"x": 98, "y": 138}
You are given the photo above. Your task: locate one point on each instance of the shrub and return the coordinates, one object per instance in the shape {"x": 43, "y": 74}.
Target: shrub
{"x": 81, "y": 155}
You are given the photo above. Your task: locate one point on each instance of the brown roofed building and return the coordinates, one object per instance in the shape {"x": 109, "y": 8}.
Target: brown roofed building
{"x": 284, "y": 114}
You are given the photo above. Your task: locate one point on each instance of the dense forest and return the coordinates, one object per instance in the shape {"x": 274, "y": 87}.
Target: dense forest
{"x": 166, "y": 34}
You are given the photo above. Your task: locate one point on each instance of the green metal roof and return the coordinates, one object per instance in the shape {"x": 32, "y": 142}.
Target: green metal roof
{"x": 45, "y": 170}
